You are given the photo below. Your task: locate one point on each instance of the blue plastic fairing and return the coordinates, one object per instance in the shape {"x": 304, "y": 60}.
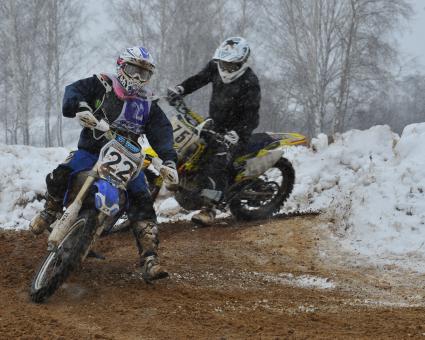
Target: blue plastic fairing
{"x": 107, "y": 198}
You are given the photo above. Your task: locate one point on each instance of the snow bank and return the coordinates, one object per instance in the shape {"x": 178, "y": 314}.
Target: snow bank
{"x": 22, "y": 181}
{"x": 369, "y": 183}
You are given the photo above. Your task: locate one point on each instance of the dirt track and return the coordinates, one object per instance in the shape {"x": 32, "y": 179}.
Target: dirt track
{"x": 227, "y": 281}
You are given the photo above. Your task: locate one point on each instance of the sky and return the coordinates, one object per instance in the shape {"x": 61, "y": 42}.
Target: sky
{"x": 412, "y": 42}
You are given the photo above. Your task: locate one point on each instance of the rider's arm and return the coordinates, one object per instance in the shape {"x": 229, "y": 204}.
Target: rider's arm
{"x": 84, "y": 90}
{"x": 250, "y": 105}
{"x": 159, "y": 132}
{"x": 199, "y": 80}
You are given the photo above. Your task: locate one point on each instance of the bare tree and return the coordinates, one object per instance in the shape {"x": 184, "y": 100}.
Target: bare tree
{"x": 182, "y": 35}
{"x": 38, "y": 39}
{"x": 5, "y": 80}
{"x": 48, "y": 73}
{"x": 366, "y": 54}
{"x": 397, "y": 103}
{"x": 327, "y": 48}
{"x": 60, "y": 48}
{"x": 21, "y": 26}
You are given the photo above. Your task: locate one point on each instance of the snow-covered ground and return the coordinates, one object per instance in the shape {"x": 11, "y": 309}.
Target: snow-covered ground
{"x": 369, "y": 183}
{"x": 24, "y": 170}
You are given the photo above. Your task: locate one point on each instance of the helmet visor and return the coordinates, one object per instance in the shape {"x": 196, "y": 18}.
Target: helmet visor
{"x": 137, "y": 72}
{"x": 229, "y": 67}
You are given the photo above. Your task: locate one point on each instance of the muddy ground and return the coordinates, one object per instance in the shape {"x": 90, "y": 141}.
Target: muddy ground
{"x": 276, "y": 279}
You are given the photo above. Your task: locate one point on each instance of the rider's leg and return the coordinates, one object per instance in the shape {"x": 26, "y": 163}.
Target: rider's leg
{"x": 142, "y": 218}
{"x": 57, "y": 184}
{"x": 217, "y": 177}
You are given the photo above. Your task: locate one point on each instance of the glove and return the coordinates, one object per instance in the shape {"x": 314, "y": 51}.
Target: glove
{"x": 85, "y": 116}
{"x": 231, "y": 138}
{"x": 84, "y": 106}
{"x": 174, "y": 93}
{"x": 169, "y": 173}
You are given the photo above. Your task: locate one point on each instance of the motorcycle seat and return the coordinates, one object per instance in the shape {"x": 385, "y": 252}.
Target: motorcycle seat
{"x": 257, "y": 141}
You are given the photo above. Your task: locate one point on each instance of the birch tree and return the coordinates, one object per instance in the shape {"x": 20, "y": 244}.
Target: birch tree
{"x": 61, "y": 51}
{"x": 182, "y": 35}
{"x": 366, "y": 51}
{"x": 329, "y": 47}
{"x": 21, "y": 27}
{"x": 37, "y": 44}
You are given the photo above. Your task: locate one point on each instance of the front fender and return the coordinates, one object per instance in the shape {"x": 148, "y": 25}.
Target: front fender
{"x": 107, "y": 197}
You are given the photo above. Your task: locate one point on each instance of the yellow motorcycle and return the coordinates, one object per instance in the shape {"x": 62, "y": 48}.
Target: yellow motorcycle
{"x": 259, "y": 181}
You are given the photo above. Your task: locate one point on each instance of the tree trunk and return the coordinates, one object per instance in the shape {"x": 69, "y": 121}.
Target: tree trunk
{"x": 49, "y": 65}
{"x": 344, "y": 87}
{"x": 6, "y": 109}
{"x": 57, "y": 70}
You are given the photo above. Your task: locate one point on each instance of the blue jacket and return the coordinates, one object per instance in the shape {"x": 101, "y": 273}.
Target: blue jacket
{"x": 132, "y": 117}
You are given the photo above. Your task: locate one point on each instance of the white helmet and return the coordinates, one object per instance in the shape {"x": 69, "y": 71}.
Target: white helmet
{"x": 231, "y": 56}
{"x": 135, "y": 67}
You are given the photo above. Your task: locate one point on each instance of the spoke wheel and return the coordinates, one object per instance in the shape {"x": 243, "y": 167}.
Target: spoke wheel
{"x": 266, "y": 194}
{"x": 58, "y": 264}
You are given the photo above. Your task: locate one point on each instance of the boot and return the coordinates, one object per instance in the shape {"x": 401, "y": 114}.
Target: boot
{"x": 146, "y": 235}
{"x": 52, "y": 210}
{"x": 205, "y": 217}
{"x": 152, "y": 270}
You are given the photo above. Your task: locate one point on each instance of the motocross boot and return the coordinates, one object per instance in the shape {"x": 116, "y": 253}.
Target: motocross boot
{"x": 146, "y": 234}
{"x": 205, "y": 217}
{"x": 151, "y": 269}
{"x": 52, "y": 210}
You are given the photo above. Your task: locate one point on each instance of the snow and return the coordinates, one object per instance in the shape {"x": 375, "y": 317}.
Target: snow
{"x": 370, "y": 186}
{"x": 303, "y": 281}
{"x": 24, "y": 170}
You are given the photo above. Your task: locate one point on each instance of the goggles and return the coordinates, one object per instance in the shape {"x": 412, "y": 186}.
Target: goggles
{"x": 229, "y": 67}
{"x": 137, "y": 72}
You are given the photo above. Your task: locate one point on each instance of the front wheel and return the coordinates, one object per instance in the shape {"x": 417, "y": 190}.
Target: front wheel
{"x": 58, "y": 264}
{"x": 265, "y": 195}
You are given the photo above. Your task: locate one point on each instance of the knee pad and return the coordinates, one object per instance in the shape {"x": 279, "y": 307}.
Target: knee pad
{"x": 141, "y": 207}
{"x": 147, "y": 233}
{"x": 57, "y": 181}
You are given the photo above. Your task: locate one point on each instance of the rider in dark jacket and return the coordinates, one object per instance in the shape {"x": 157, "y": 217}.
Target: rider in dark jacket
{"x": 234, "y": 107}
{"x": 131, "y": 110}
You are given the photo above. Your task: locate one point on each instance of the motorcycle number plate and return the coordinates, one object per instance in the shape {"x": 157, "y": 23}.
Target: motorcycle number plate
{"x": 183, "y": 136}
{"x": 116, "y": 165}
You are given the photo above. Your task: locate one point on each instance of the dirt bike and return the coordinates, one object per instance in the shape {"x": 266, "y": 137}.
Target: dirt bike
{"x": 259, "y": 181}
{"x": 94, "y": 201}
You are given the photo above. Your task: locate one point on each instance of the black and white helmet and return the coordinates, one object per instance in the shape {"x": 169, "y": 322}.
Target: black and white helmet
{"x": 231, "y": 57}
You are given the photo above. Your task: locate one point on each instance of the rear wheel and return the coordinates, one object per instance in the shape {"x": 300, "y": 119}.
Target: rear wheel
{"x": 58, "y": 264}
{"x": 265, "y": 195}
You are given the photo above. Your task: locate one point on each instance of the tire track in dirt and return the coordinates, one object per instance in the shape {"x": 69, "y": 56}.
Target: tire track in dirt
{"x": 264, "y": 279}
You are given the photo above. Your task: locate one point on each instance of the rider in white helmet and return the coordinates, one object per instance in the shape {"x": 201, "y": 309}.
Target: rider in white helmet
{"x": 123, "y": 100}
{"x": 234, "y": 107}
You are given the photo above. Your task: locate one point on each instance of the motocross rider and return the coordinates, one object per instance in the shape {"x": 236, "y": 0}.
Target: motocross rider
{"x": 128, "y": 105}
{"x": 233, "y": 107}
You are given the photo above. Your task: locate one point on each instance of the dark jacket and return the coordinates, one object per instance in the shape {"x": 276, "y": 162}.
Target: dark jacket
{"x": 233, "y": 106}
{"x": 108, "y": 106}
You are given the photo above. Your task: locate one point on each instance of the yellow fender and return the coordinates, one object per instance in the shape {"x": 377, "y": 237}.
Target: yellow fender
{"x": 151, "y": 152}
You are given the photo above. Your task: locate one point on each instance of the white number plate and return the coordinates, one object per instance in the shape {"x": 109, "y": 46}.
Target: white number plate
{"x": 183, "y": 136}
{"x": 117, "y": 165}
